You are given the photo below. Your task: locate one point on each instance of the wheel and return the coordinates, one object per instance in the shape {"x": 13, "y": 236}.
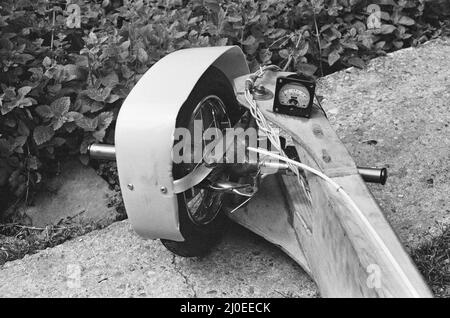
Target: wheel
{"x": 202, "y": 221}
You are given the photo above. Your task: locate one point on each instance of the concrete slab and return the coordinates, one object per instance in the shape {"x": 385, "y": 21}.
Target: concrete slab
{"x": 77, "y": 192}
{"x": 115, "y": 262}
{"x": 397, "y": 113}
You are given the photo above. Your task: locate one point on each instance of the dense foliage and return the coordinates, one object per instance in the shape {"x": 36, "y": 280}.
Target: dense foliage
{"x": 65, "y": 73}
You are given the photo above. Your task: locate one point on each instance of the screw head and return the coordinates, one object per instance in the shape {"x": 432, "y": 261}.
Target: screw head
{"x": 163, "y": 189}
{"x": 260, "y": 89}
{"x": 130, "y": 186}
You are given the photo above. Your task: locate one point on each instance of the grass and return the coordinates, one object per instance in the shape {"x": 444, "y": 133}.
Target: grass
{"x": 18, "y": 240}
{"x": 432, "y": 258}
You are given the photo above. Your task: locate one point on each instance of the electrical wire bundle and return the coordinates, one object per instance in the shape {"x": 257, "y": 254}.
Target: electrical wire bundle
{"x": 261, "y": 120}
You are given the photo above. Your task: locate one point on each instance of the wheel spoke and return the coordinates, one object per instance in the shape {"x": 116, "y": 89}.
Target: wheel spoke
{"x": 204, "y": 204}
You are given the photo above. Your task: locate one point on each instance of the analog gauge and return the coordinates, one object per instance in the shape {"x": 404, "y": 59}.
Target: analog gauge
{"x": 294, "y": 94}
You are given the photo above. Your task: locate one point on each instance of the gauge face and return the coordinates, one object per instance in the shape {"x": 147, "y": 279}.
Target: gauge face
{"x": 294, "y": 94}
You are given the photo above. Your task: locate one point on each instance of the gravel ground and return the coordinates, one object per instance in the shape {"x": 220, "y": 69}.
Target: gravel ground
{"x": 394, "y": 113}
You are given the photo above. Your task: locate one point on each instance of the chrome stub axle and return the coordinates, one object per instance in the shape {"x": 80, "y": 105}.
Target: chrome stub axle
{"x": 373, "y": 175}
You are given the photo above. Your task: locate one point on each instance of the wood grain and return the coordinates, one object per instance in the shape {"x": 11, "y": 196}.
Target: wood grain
{"x": 349, "y": 252}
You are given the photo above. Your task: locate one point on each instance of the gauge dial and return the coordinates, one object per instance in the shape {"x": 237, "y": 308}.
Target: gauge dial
{"x": 294, "y": 94}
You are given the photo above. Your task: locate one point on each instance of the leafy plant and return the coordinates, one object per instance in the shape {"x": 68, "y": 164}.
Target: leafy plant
{"x": 63, "y": 77}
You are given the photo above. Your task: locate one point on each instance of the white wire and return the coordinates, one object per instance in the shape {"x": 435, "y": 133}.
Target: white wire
{"x": 261, "y": 121}
{"x": 354, "y": 208}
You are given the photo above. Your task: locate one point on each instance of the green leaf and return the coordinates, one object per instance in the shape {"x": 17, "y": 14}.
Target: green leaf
{"x": 10, "y": 100}
{"x": 73, "y": 116}
{"x": 23, "y": 58}
{"x": 111, "y": 99}
{"x": 57, "y": 122}
{"x": 70, "y": 127}
{"x": 54, "y": 89}
{"x": 126, "y": 72}
{"x": 333, "y": 57}
{"x": 87, "y": 124}
{"x": 85, "y": 144}
{"x": 265, "y": 56}
{"x": 105, "y": 119}
{"x": 380, "y": 45}
{"x": 357, "y": 62}
{"x": 84, "y": 159}
{"x": 234, "y": 19}
{"x": 307, "y": 69}
{"x": 70, "y": 72}
{"x": 277, "y": 34}
{"x": 10, "y": 122}
{"x": 303, "y": 49}
{"x": 99, "y": 95}
{"x": 387, "y": 28}
{"x": 283, "y": 53}
{"x": 5, "y": 147}
{"x": 366, "y": 40}
{"x": 23, "y": 91}
{"x": 194, "y": 20}
{"x": 99, "y": 134}
{"x": 47, "y": 62}
{"x": 180, "y": 34}
{"x": 213, "y": 5}
{"x": 222, "y": 42}
{"x": 406, "y": 21}
{"x": 22, "y": 129}
{"x": 110, "y": 80}
{"x": 388, "y": 2}
{"x": 93, "y": 106}
{"x": 42, "y": 134}
{"x": 44, "y": 111}
{"x": 385, "y": 16}
{"x": 18, "y": 143}
{"x": 350, "y": 45}
{"x": 125, "y": 45}
{"x": 58, "y": 141}
{"x": 250, "y": 40}
{"x": 33, "y": 163}
{"x": 142, "y": 56}
{"x": 60, "y": 106}
{"x": 398, "y": 44}
{"x": 37, "y": 73}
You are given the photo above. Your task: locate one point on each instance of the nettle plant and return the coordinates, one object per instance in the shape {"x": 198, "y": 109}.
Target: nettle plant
{"x": 53, "y": 102}
{"x": 66, "y": 66}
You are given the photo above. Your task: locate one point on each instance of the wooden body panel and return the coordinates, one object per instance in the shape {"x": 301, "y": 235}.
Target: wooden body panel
{"x": 349, "y": 253}
{"x": 259, "y": 217}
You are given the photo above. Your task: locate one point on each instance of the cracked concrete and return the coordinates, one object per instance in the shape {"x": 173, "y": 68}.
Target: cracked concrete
{"x": 185, "y": 277}
{"x": 115, "y": 262}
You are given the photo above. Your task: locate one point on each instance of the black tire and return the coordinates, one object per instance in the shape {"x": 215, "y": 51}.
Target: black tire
{"x": 201, "y": 238}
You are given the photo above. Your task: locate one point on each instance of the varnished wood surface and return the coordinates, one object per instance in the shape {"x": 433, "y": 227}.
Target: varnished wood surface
{"x": 349, "y": 253}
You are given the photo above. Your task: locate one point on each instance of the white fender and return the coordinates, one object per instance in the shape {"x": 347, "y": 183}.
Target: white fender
{"x": 145, "y": 129}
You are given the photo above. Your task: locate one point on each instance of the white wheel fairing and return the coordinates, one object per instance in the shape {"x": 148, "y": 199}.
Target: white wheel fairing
{"x": 145, "y": 129}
